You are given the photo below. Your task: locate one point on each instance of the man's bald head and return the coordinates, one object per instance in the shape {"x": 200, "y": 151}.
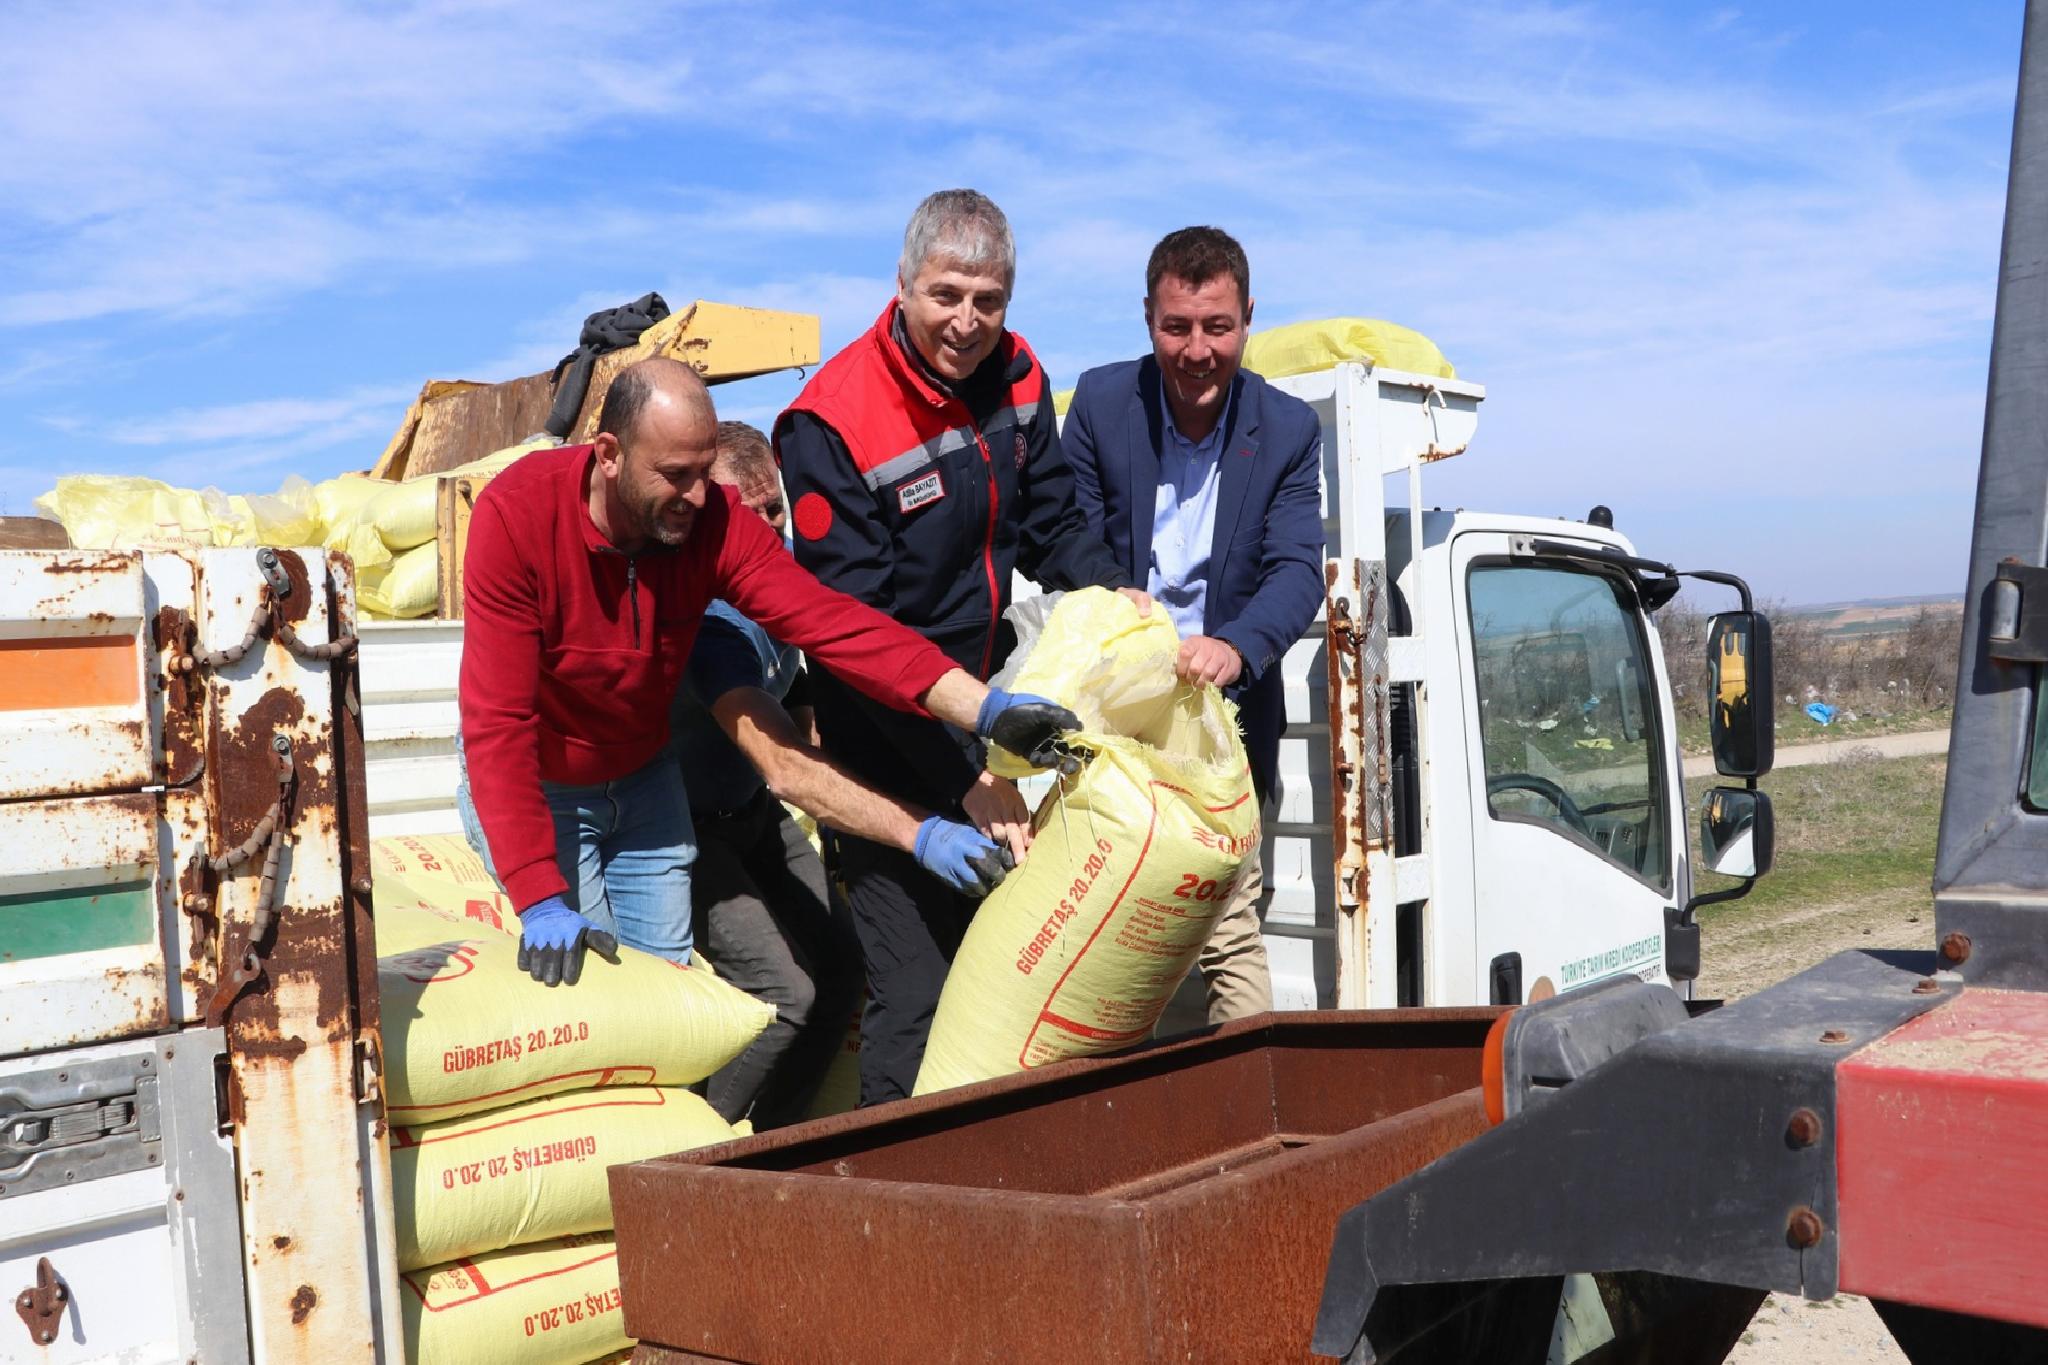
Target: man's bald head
{"x": 654, "y": 448}
{"x": 657, "y": 381}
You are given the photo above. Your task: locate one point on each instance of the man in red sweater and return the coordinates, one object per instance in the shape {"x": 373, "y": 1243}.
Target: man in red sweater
{"x": 587, "y": 572}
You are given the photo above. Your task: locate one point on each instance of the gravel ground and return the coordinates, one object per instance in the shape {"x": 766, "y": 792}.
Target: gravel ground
{"x": 1792, "y": 1331}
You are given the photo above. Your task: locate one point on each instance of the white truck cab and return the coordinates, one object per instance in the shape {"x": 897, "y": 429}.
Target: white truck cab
{"x": 1480, "y": 796}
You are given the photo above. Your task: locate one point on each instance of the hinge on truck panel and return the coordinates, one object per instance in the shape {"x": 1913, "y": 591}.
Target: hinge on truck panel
{"x": 369, "y": 1072}
{"x": 2014, "y": 632}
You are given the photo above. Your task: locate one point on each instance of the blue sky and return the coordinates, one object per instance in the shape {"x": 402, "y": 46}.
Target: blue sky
{"x": 1729, "y": 270}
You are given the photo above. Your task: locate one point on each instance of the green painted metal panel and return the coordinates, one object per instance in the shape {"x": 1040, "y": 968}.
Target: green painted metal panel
{"x": 78, "y": 920}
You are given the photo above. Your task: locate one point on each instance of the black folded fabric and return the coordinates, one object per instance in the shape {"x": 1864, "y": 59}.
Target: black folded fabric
{"x": 614, "y": 329}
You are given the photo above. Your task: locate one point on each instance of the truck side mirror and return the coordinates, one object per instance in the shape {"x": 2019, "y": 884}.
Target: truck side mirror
{"x": 1740, "y": 713}
{"x": 1736, "y": 832}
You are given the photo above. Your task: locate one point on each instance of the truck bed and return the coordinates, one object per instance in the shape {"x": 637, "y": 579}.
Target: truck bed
{"x": 1172, "y": 1203}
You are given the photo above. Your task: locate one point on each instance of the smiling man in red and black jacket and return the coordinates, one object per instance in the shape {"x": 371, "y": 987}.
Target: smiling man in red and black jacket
{"x": 922, "y": 468}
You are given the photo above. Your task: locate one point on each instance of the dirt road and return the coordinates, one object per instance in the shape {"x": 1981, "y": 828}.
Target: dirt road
{"x": 1835, "y": 750}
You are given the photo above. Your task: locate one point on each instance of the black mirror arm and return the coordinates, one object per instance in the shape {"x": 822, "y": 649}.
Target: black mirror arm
{"x": 1733, "y": 893}
{"x": 1726, "y": 579}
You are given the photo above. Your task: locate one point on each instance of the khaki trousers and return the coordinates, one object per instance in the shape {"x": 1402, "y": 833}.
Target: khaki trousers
{"x": 1233, "y": 963}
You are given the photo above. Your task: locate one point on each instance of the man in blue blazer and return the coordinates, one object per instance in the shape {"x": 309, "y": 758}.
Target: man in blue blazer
{"x": 1206, "y": 482}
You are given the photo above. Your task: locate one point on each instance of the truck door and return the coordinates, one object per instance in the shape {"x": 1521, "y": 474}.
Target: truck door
{"x": 1573, "y": 839}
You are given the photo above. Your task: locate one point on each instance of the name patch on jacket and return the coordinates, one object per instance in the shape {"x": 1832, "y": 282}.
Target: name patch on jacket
{"x": 920, "y": 492}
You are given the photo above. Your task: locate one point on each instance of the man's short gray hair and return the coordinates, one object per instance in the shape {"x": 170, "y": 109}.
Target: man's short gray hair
{"x": 963, "y": 227}
{"x": 744, "y": 455}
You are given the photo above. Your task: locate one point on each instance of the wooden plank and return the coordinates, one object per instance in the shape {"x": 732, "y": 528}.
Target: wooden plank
{"x": 396, "y": 461}
{"x": 464, "y": 426}
{"x": 454, "y": 500}
{"x": 32, "y": 533}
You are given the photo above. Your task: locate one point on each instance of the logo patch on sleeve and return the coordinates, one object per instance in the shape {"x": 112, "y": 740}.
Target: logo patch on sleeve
{"x": 813, "y": 516}
{"x": 920, "y": 492}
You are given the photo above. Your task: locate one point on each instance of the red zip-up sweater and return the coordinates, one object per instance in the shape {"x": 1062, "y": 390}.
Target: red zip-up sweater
{"x": 572, "y": 650}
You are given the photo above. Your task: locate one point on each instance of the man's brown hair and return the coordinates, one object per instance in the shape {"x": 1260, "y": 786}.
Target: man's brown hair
{"x": 1198, "y": 255}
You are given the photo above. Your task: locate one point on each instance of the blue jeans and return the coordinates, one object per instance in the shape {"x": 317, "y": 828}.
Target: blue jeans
{"x": 625, "y": 848}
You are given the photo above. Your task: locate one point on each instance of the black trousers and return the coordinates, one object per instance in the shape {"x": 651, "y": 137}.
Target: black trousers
{"x": 910, "y": 925}
{"x": 765, "y": 920}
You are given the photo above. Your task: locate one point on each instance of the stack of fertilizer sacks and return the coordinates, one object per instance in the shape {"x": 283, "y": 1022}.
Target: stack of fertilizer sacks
{"x": 507, "y": 1102}
{"x": 387, "y": 527}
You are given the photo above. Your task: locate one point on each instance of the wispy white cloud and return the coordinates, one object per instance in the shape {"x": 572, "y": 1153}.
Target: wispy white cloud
{"x": 198, "y": 157}
{"x": 263, "y": 419}
{"x": 35, "y": 364}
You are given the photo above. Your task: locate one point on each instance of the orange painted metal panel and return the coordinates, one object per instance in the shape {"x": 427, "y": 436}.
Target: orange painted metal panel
{"x": 1940, "y": 1130}
{"x": 63, "y": 674}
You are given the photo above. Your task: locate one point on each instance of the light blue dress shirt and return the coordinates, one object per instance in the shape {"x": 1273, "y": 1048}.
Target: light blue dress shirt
{"x": 1184, "y": 522}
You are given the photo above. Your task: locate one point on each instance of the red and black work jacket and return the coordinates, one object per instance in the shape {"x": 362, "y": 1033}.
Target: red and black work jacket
{"x": 919, "y": 498}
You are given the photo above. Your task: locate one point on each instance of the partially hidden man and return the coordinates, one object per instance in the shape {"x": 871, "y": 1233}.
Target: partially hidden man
{"x": 1206, "y": 482}
{"x": 587, "y": 573}
{"x": 922, "y": 469}
{"x": 744, "y": 739}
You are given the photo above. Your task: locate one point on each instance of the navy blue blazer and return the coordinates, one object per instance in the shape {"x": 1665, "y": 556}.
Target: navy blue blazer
{"x": 1266, "y": 562}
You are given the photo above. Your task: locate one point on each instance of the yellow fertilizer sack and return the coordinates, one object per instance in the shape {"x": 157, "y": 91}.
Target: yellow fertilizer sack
{"x": 398, "y": 515}
{"x": 552, "y": 1303}
{"x": 532, "y": 1171}
{"x": 1305, "y": 347}
{"x": 1132, "y": 860}
{"x": 119, "y": 511}
{"x": 839, "y": 1090}
{"x": 338, "y": 499}
{"x": 439, "y": 872}
{"x": 407, "y": 588}
{"x": 402, "y": 927}
{"x": 465, "y": 1030}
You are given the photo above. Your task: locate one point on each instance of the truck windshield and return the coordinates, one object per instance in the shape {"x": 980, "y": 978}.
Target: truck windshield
{"x": 1567, "y": 714}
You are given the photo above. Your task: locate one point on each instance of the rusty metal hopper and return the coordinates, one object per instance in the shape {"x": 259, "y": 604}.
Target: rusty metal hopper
{"x": 1172, "y": 1203}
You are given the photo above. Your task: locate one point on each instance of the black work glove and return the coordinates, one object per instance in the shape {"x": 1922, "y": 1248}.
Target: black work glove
{"x": 552, "y": 938}
{"x": 1028, "y": 726}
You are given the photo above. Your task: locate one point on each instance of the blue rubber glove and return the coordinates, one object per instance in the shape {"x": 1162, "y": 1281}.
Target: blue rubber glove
{"x": 1028, "y": 725}
{"x": 961, "y": 856}
{"x": 552, "y": 938}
